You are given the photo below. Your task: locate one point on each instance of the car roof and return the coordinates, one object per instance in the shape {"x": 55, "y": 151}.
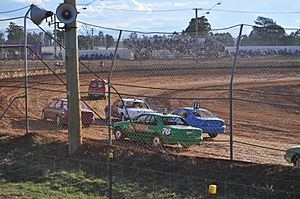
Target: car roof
{"x": 133, "y": 100}
{"x": 161, "y": 114}
{"x": 190, "y": 108}
{"x": 97, "y": 80}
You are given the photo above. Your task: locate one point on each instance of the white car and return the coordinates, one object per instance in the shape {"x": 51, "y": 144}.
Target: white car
{"x": 128, "y": 108}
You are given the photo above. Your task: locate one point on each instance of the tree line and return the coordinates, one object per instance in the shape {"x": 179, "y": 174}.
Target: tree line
{"x": 14, "y": 33}
{"x": 265, "y": 32}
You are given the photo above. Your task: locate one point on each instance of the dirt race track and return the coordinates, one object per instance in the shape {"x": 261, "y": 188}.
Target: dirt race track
{"x": 262, "y": 130}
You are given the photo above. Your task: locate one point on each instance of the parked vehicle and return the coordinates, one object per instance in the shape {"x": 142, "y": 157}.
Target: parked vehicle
{"x": 128, "y": 108}
{"x": 97, "y": 89}
{"x": 158, "y": 129}
{"x": 57, "y": 110}
{"x": 202, "y": 118}
{"x": 292, "y": 155}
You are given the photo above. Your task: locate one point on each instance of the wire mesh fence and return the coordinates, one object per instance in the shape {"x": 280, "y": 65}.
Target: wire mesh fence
{"x": 162, "y": 84}
{"x": 154, "y": 182}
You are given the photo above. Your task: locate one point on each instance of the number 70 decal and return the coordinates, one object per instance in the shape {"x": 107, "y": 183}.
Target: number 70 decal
{"x": 166, "y": 131}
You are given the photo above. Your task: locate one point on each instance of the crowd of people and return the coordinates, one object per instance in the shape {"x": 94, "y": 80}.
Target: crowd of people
{"x": 183, "y": 46}
{"x": 96, "y": 56}
{"x": 177, "y": 46}
{"x": 268, "y": 52}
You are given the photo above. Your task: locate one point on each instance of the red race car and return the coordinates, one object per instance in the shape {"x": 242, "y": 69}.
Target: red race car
{"x": 57, "y": 110}
{"x": 97, "y": 89}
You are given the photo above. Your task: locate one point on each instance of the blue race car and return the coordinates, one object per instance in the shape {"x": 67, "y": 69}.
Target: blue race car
{"x": 202, "y": 118}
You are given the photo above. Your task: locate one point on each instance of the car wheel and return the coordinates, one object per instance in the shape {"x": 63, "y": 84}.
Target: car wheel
{"x": 296, "y": 160}
{"x": 157, "y": 142}
{"x": 58, "y": 120}
{"x": 212, "y": 135}
{"x": 119, "y": 134}
{"x": 106, "y": 114}
{"x": 43, "y": 117}
{"x": 297, "y": 164}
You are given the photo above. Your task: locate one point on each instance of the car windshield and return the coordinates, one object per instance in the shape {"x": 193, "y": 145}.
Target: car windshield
{"x": 137, "y": 105}
{"x": 174, "y": 121}
{"x": 82, "y": 105}
{"x": 96, "y": 84}
{"x": 202, "y": 113}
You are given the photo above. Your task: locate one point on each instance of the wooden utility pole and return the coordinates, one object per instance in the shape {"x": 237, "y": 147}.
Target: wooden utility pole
{"x": 92, "y": 43}
{"x": 196, "y": 31}
{"x": 55, "y": 37}
{"x": 196, "y": 21}
{"x": 72, "y": 75}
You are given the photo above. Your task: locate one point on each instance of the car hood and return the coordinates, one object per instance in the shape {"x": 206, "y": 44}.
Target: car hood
{"x": 139, "y": 110}
{"x": 294, "y": 149}
{"x": 121, "y": 123}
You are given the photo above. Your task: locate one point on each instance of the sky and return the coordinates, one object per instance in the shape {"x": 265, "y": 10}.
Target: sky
{"x": 166, "y": 15}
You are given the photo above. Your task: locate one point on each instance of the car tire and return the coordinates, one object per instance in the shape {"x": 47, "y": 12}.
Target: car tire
{"x": 212, "y": 135}
{"x": 297, "y": 163}
{"x": 106, "y": 114}
{"x": 156, "y": 142}
{"x": 119, "y": 134}
{"x": 296, "y": 160}
{"x": 43, "y": 117}
{"x": 58, "y": 120}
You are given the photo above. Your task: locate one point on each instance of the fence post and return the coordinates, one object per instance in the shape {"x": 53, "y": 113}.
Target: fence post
{"x": 231, "y": 91}
{"x": 109, "y": 120}
{"x": 26, "y": 70}
{"x": 109, "y": 88}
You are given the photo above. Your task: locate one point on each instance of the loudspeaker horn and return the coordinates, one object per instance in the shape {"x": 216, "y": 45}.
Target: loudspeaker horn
{"x": 66, "y": 13}
{"x": 38, "y": 14}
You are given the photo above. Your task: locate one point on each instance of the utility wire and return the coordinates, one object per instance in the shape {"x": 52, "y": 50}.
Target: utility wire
{"x": 116, "y": 29}
{"x": 12, "y": 18}
{"x": 134, "y": 10}
{"x": 205, "y": 9}
{"x": 253, "y": 12}
{"x": 9, "y": 11}
{"x": 86, "y": 4}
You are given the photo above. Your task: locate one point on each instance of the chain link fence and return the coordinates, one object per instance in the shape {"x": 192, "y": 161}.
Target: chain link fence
{"x": 247, "y": 99}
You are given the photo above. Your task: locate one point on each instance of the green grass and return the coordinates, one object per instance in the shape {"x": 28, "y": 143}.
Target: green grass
{"x": 56, "y": 185}
{"x": 80, "y": 185}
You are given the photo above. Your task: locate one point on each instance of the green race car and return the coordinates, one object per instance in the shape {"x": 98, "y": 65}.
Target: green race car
{"x": 158, "y": 129}
{"x": 292, "y": 155}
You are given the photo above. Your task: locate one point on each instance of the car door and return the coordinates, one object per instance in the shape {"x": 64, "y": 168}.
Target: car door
{"x": 147, "y": 128}
{"x": 50, "y": 110}
{"x": 153, "y": 127}
{"x": 114, "y": 109}
{"x": 139, "y": 128}
{"x": 121, "y": 109}
{"x": 57, "y": 109}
